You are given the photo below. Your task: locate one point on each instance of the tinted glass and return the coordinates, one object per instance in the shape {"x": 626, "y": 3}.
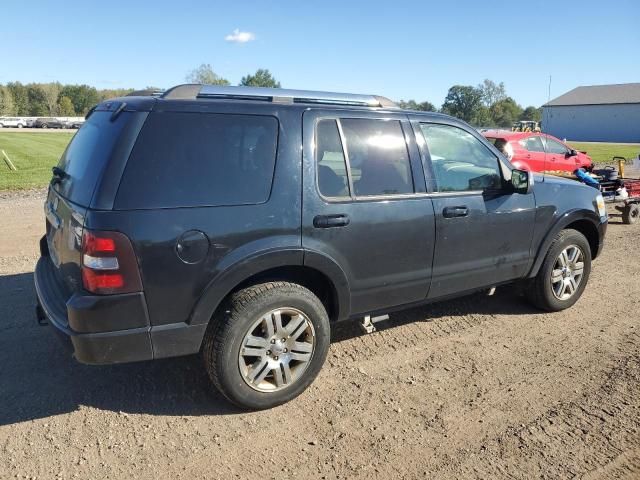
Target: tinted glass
{"x": 460, "y": 161}
{"x": 86, "y": 155}
{"x": 555, "y": 147}
{"x": 533, "y": 144}
{"x": 332, "y": 170}
{"x": 378, "y": 157}
{"x": 198, "y": 159}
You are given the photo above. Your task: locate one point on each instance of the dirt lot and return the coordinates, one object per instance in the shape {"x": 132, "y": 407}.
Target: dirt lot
{"x": 482, "y": 387}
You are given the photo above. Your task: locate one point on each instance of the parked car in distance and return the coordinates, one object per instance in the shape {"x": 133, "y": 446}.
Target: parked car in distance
{"x": 538, "y": 152}
{"x": 75, "y": 124}
{"x": 6, "y": 122}
{"x": 243, "y": 223}
{"x": 49, "y": 122}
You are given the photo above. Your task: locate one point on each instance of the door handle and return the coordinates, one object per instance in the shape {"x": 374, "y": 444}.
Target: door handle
{"x": 330, "y": 221}
{"x": 453, "y": 212}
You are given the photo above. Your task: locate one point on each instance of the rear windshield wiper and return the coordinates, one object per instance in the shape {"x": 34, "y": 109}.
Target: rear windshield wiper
{"x": 59, "y": 174}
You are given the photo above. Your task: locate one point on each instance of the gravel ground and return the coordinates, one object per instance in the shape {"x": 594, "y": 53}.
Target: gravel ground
{"x": 480, "y": 387}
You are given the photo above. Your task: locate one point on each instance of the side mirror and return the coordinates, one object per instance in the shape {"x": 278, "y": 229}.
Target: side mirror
{"x": 522, "y": 181}
{"x": 572, "y": 153}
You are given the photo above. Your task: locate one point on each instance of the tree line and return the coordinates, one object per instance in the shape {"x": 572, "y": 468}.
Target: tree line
{"x": 484, "y": 105}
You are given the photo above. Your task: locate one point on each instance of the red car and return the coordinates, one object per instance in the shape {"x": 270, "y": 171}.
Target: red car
{"x": 538, "y": 152}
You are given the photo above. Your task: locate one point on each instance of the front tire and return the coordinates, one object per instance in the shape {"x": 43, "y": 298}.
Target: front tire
{"x": 267, "y": 345}
{"x": 564, "y": 273}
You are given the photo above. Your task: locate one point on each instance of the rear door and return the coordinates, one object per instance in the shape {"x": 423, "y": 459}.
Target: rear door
{"x": 534, "y": 158}
{"x": 365, "y": 205}
{"x": 483, "y": 231}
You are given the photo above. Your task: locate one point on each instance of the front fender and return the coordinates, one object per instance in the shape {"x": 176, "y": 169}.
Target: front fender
{"x": 567, "y": 218}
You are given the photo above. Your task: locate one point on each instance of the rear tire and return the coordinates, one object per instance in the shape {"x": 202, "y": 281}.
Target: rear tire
{"x": 631, "y": 213}
{"x": 267, "y": 345}
{"x": 564, "y": 273}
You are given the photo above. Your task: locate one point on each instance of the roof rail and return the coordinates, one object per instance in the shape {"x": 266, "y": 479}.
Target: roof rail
{"x": 276, "y": 95}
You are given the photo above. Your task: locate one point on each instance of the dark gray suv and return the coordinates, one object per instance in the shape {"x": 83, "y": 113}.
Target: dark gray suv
{"x": 241, "y": 223}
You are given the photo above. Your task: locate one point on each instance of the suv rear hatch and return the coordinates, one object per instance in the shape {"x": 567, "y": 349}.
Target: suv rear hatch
{"x": 72, "y": 188}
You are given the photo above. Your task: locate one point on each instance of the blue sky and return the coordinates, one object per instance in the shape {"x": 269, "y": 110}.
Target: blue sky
{"x": 397, "y": 49}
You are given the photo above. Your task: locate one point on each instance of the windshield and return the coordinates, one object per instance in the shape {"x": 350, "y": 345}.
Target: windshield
{"x": 86, "y": 155}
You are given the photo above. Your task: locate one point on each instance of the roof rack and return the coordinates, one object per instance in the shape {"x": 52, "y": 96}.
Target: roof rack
{"x": 275, "y": 95}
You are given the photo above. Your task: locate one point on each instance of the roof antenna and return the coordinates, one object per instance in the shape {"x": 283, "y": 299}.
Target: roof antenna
{"x": 549, "y": 94}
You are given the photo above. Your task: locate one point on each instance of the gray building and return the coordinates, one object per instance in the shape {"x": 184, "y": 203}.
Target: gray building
{"x": 598, "y": 113}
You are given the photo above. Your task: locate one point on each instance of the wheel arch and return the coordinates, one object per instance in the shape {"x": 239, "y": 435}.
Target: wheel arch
{"x": 584, "y": 221}
{"x": 325, "y": 281}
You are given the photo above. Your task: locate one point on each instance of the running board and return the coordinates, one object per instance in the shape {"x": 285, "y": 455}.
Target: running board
{"x": 367, "y": 323}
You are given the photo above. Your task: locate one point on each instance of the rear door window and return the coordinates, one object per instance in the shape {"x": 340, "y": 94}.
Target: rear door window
{"x": 332, "y": 170}
{"x": 533, "y": 144}
{"x": 86, "y": 155}
{"x": 378, "y": 157}
{"x": 200, "y": 159}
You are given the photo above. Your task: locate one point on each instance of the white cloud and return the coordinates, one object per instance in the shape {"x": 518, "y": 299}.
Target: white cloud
{"x": 240, "y": 37}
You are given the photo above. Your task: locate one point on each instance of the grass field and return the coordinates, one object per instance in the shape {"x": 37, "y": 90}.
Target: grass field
{"x": 604, "y": 152}
{"x": 33, "y": 154}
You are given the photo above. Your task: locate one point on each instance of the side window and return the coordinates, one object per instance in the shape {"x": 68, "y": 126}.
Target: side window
{"x": 199, "y": 159}
{"x": 555, "y": 147}
{"x": 533, "y": 144}
{"x": 378, "y": 157}
{"x": 332, "y": 169}
{"x": 460, "y": 161}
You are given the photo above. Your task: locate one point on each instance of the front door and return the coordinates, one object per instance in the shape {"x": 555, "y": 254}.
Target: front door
{"x": 483, "y": 231}
{"x": 365, "y": 206}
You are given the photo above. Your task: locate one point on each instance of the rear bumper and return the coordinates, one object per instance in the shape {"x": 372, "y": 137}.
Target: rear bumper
{"x": 111, "y": 328}
{"x": 81, "y": 321}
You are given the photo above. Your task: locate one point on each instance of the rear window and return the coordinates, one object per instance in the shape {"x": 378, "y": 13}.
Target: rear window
{"x": 200, "y": 159}
{"x": 86, "y": 155}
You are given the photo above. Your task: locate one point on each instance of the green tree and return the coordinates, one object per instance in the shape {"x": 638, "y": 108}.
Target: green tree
{"x": 106, "y": 94}
{"x": 83, "y": 97}
{"x": 464, "y": 102}
{"x": 483, "y": 117}
{"x": 492, "y": 92}
{"x": 413, "y": 105}
{"x": 37, "y": 101}
{"x": 65, "y": 107}
{"x": 505, "y": 112}
{"x": 20, "y": 98}
{"x": 51, "y": 93}
{"x": 262, "y": 78}
{"x": 531, "y": 113}
{"x": 204, "y": 74}
{"x": 7, "y": 105}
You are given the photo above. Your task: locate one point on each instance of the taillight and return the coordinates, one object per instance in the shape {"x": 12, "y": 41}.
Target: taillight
{"x": 109, "y": 264}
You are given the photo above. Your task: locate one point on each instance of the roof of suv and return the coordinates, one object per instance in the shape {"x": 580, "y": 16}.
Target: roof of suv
{"x": 144, "y": 100}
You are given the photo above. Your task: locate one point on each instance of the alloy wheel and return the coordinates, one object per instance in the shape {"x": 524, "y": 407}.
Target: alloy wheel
{"x": 567, "y": 272}
{"x": 277, "y": 349}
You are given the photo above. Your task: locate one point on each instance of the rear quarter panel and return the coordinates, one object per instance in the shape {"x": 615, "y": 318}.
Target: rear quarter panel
{"x": 235, "y": 233}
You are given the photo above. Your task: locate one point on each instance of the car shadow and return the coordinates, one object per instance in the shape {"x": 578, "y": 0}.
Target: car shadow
{"x": 506, "y": 301}
{"x": 39, "y": 378}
